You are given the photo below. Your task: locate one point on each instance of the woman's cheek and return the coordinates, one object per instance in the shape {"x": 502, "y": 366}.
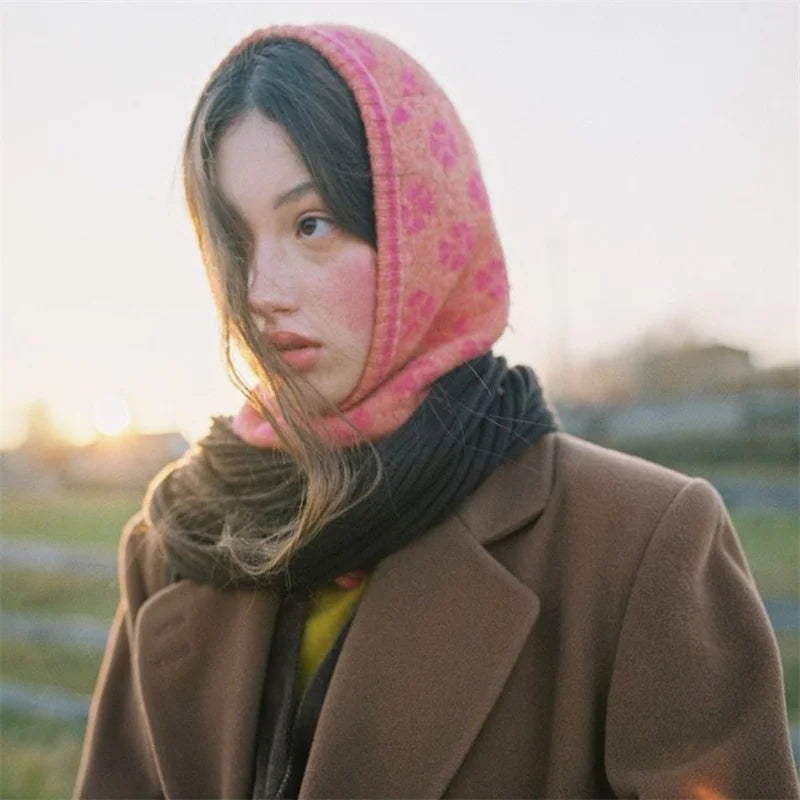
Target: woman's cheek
{"x": 351, "y": 292}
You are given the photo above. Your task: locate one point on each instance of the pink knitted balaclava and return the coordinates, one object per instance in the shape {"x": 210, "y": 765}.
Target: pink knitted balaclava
{"x": 442, "y": 290}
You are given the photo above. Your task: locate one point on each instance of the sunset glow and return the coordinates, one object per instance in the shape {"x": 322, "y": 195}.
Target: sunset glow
{"x": 111, "y": 415}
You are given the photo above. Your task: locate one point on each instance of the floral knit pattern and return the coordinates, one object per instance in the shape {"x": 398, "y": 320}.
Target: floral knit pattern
{"x": 442, "y": 290}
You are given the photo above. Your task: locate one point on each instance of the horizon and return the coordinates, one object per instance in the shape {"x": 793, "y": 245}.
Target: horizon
{"x": 113, "y": 422}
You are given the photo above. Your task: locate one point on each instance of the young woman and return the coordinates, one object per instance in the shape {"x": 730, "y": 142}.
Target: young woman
{"x": 390, "y": 575}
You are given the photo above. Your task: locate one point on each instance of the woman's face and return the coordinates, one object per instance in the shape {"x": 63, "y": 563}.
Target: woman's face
{"x": 312, "y": 284}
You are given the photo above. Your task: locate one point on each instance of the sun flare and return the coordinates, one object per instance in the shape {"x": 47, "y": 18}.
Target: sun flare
{"x": 111, "y": 415}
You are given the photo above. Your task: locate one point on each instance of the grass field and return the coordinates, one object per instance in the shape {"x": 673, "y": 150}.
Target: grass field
{"x": 51, "y": 665}
{"x": 75, "y": 517}
{"x": 771, "y": 543}
{"x": 61, "y": 593}
{"x": 39, "y": 756}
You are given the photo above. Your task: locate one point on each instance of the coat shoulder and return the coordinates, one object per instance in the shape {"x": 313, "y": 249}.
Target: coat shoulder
{"x": 581, "y": 488}
{"x": 597, "y": 479}
{"x": 579, "y": 459}
{"x": 140, "y": 561}
{"x": 605, "y": 508}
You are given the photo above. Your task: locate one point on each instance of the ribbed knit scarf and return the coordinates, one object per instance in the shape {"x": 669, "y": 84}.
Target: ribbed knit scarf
{"x": 475, "y": 418}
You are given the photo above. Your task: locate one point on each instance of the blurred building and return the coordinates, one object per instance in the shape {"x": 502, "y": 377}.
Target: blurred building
{"x": 699, "y": 401}
{"x": 37, "y": 463}
{"x": 124, "y": 461}
{"x": 692, "y": 370}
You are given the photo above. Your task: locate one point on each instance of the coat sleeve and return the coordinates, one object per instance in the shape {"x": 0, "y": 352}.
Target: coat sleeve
{"x": 117, "y": 758}
{"x": 696, "y": 701}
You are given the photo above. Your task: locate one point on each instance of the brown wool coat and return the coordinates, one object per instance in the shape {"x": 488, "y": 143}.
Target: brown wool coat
{"x": 585, "y": 625}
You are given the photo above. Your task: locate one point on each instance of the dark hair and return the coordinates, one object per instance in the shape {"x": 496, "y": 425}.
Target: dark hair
{"x": 299, "y": 494}
{"x": 291, "y": 84}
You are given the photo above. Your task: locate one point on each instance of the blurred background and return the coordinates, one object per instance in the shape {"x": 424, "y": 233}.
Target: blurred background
{"x": 642, "y": 163}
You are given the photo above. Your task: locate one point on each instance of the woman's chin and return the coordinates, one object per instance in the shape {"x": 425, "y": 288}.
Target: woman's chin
{"x": 316, "y": 399}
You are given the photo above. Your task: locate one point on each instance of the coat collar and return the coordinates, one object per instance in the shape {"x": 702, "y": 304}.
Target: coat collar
{"x": 423, "y": 663}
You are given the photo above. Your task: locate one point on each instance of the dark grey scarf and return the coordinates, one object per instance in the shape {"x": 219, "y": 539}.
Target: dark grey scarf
{"x": 476, "y": 417}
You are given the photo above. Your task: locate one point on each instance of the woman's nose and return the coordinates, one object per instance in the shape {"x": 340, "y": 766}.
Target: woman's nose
{"x": 273, "y": 285}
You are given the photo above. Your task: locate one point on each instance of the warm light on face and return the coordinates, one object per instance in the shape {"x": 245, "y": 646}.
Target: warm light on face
{"x": 111, "y": 415}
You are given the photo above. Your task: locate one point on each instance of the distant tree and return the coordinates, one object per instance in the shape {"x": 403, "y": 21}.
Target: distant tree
{"x": 41, "y": 431}
{"x": 43, "y": 441}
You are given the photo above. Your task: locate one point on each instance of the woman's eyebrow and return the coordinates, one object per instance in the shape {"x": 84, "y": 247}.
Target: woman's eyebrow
{"x": 293, "y": 194}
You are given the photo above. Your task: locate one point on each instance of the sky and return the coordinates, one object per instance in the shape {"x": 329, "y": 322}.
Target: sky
{"x": 641, "y": 159}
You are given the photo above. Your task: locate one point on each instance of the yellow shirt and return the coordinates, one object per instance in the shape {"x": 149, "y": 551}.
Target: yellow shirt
{"x": 329, "y": 609}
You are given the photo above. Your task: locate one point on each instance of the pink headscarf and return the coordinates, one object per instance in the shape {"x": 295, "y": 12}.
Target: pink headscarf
{"x": 442, "y": 290}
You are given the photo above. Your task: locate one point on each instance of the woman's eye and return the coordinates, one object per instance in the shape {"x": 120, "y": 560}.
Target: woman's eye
{"x": 314, "y": 227}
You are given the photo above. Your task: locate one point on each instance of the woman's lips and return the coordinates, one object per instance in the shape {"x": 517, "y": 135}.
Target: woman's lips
{"x": 297, "y": 351}
{"x": 301, "y": 359}
{"x": 288, "y": 339}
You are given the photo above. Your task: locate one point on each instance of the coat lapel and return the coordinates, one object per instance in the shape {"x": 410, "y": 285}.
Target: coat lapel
{"x": 434, "y": 640}
{"x": 201, "y": 656}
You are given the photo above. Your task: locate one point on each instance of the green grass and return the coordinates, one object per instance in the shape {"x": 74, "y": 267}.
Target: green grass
{"x": 49, "y": 665}
{"x": 74, "y": 517}
{"x": 770, "y": 542}
{"x": 58, "y": 593}
{"x": 39, "y": 758}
